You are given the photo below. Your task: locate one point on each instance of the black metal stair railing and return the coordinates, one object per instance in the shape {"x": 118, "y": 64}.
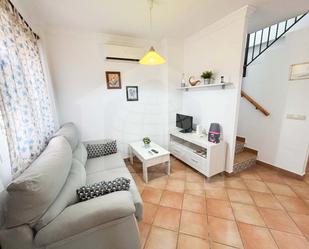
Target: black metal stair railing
{"x": 258, "y": 42}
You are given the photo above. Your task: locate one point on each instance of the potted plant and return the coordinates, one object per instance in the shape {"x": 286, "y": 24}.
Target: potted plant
{"x": 207, "y": 76}
{"x": 146, "y": 141}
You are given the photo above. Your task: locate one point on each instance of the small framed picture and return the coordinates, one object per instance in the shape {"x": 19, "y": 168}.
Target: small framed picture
{"x": 132, "y": 93}
{"x": 113, "y": 80}
{"x": 299, "y": 71}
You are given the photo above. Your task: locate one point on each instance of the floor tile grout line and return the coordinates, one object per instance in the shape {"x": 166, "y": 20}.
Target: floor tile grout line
{"x": 224, "y": 187}
{"x": 178, "y": 232}
{"x": 238, "y": 229}
{"x": 271, "y": 234}
{"x": 151, "y": 226}
{"x": 287, "y": 211}
{"x": 265, "y": 221}
{"x": 262, "y": 218}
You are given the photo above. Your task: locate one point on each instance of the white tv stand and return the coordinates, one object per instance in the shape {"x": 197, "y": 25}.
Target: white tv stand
{"x": 209, "y": 162}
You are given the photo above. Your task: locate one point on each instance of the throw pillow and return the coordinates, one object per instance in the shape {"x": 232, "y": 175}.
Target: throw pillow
{"x": 103, "y": 149}
{"x": 102, "y": 188}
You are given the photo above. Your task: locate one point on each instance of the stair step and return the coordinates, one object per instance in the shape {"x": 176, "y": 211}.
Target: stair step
{"x": 240, "y": 139}
{"x": 239, "y": 147}
{"x": 244, "y": 160}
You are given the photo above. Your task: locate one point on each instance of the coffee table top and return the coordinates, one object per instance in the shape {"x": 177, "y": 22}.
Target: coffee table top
{"x": 139, "y": 148}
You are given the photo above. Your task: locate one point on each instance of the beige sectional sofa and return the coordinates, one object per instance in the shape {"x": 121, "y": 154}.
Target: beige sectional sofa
{"x": 42, "y": 209}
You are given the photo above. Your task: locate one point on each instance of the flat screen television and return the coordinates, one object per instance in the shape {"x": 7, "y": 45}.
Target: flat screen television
{"x": 184, "y": 122}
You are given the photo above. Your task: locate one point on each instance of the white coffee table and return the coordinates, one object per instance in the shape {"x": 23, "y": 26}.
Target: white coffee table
{"x": 149, "y": 159}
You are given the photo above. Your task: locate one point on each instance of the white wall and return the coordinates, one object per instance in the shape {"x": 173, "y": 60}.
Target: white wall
{"x": 174, "y": 49}
{"x": 78, "y": 68}
{"x": 280, "y": 141}
{"x": 218, "y": 47}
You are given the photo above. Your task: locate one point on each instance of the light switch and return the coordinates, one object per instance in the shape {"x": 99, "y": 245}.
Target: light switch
{"x": 296, "y": 116}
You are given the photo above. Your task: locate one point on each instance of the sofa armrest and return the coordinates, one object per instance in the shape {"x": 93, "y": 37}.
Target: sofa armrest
{"x": 83, "y": 216}
{"x": 16, "y": 238}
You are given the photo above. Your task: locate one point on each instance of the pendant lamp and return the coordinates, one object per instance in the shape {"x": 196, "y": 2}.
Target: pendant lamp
{"x": 151, "y": 57}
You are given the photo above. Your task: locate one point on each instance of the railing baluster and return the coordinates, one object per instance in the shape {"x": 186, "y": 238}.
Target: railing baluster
{"x": 261, "y": 40}
{"x": 286, "y": 23}
{"x": 246, "y": 56}
{"x": 277, "y": 31}
{"x": 253, "y": 46}
{"x": 269, "y": 29}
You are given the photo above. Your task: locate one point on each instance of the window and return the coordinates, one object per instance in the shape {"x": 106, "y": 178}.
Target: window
{"x": 27, "y": 119}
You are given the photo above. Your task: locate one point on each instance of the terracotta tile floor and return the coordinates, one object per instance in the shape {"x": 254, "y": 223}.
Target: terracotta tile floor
{"x": 258, "y": 208}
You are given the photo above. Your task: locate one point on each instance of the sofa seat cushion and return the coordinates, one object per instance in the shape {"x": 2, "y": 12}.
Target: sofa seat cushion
{"x": 109, "y": 175}
{"x": 31, "y": 194}
{"x": 103, "y": 163}
{"x": 83, "y": 216}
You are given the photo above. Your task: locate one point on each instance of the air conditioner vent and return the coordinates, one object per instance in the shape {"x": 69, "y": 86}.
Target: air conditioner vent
{"x": 123, "y": 53}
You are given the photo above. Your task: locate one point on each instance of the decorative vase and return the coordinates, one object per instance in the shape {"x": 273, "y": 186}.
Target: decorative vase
{"x": 207, "y": 81}
{"x": 193, "y": 82}
{"x": 146, "y": 141}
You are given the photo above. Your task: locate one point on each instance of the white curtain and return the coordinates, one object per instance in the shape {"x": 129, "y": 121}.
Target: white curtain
{"x": 26, "y": 112}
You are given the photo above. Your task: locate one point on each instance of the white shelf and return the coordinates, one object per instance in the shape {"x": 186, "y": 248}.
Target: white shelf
{"x": 183, "y": 146}
{"x": 192, "y": 137}
{"x": 205, "y": 86}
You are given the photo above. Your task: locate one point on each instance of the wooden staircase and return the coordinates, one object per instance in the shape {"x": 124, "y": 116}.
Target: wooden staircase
{"x": 244, "y": 156}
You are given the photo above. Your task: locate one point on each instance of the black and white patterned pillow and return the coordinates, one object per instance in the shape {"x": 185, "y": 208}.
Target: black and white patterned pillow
{"x": 103, "y": 149}
{"x": 102, "y": 188}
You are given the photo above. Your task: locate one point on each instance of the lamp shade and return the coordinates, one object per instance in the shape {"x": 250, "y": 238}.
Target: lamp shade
{"x": 152, "y": 58}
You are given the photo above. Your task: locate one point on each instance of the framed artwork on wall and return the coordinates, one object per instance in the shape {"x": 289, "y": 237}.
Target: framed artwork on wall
{"x": 299, "y": 71}
{"x": 132, "y": 93}
{"x": 113, "y": 80}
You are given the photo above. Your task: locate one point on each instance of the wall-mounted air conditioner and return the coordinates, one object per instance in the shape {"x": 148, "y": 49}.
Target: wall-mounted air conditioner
{"x": 122, "y": 53}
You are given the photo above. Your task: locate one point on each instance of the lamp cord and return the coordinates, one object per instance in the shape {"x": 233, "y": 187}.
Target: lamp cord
{"x": 150, "y": 15}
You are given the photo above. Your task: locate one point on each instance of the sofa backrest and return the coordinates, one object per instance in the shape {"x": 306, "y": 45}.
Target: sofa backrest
{"x": 67, "y": 196}
{"x": 70, "y": 132}
{"x": 80, "y": 153}
{"x": 31, "y": 194}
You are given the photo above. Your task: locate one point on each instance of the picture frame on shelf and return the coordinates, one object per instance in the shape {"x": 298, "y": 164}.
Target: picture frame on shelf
{"x": 132, "y": 93}
{"x": 113, "y": 80}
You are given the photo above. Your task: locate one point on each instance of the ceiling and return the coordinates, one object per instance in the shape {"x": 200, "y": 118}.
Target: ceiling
{"x": 171, "y": 18}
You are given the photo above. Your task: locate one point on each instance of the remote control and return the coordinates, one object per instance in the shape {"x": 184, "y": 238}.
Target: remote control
{"x": 155, "y": 151}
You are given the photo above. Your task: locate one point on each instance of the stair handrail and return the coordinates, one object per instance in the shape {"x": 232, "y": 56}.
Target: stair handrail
{"x": 254, "y": 103}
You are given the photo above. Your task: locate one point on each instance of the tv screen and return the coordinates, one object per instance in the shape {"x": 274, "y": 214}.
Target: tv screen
{"x": 184, "y": 122}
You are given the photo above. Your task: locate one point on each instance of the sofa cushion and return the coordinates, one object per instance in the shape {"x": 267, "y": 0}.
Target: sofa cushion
{"x": 109, "y": 175}
{"x": 76, "y": 221}
{"x": 80, "y": 154}
{"x": 95, "y": 190}
{"x": 30, "y": 195}
{"x": 70, "y": 132}
{"x": 108, "y": 147}
{"x": 67, "y": 195}
{"x": 98, "y": 164}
